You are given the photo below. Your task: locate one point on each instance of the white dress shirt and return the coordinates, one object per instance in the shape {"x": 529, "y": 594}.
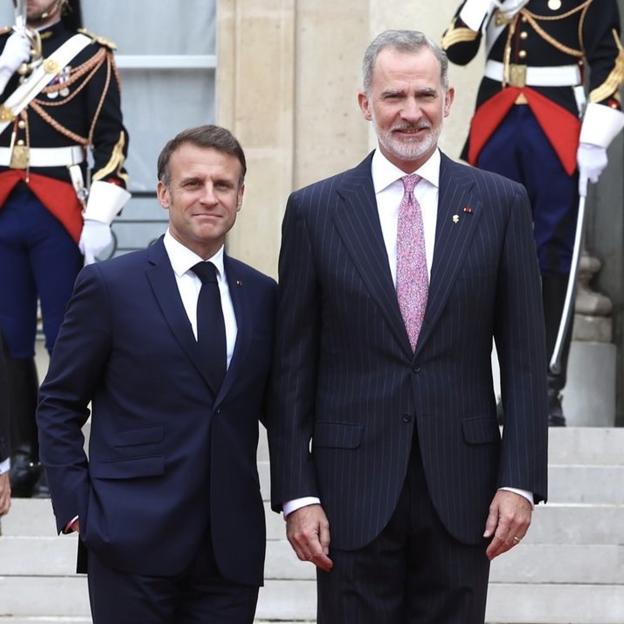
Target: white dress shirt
{"x": 182, "y": 261}
{"x": 5, "y": 465}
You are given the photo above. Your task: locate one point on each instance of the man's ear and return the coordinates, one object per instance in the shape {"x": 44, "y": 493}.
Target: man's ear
{"x": 162, "y": 192}
{"x": 364, "y": 104}
{"x": 448, "y": 100}
{"x": 239, "y": 200}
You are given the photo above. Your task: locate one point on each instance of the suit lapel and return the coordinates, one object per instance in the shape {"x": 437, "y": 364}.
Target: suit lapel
{"x": 357, "y": 221}
{"x": 239, "y": 292}
{"x": 454, "y": 230}
{"x": 162, "y": 280}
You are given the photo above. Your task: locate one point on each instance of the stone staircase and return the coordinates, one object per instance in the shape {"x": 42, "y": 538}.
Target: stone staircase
{"x": 569, "y": 569}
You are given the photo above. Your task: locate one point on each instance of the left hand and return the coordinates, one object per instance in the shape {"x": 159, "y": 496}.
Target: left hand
{"x": 96, "y": 236}
{"x": 5, "y": 494}
{"x": 592, "y": 161}
{"x": 508, "y": 521}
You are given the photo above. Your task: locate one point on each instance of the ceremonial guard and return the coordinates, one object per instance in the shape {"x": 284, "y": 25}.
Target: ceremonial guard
{"x": 60, "y": 101}
{"x": 534, "y": 123}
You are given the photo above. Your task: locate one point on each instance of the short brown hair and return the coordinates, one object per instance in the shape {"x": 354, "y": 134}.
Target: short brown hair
{"x": 207, "y": 136}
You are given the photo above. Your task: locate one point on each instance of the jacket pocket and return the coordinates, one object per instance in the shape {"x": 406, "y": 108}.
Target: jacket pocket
{"x": 135, "y": 437}
{"x": 337, "y": 435}
{"x": 480, "y": 430}
{"x": 128, "y": 468}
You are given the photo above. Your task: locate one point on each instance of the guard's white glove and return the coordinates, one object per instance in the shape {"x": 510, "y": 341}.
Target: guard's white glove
{"x": 474, "y": 12}
{"x": 95, "y": 238}
{"x": 16, "y": 51}
{"x": 592, "y": 161}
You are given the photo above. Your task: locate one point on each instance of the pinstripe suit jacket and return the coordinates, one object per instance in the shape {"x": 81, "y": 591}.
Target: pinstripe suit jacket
{"x": 346, "y": 378}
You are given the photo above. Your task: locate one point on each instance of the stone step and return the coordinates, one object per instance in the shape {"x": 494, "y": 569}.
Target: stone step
{"x": 574, "y": 483}
{"x": 586, "y": 445}
{"x": 552, "y": 523}
{"x": 527, "y": 563}
{"x": 295, "y": 600}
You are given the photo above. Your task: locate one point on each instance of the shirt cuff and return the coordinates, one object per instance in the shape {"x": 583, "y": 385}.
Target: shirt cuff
{"x": 298, "y": 503}
{"x": 525, "y": 493}
{"x": 5, "y": 466}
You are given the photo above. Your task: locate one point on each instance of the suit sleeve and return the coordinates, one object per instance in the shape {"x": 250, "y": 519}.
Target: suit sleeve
{"x": 520, "y": 343}
{"x": 5, "y": 431}
{"x": 295, "y": 364}
{"x": 76, "y": 369}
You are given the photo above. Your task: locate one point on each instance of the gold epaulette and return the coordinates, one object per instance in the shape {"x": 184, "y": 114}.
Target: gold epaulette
{"x": 456, "y": 34}
{"x": 103, "y": 41}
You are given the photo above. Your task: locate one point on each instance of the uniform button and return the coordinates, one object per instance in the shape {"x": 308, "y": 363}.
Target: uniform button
{"x": 406, "y": 418}
{"x": 522, "y": 54}
{"x": 524, "y": 34}
{"x": 21, "y": 124}
{"x": 20, "y": 142}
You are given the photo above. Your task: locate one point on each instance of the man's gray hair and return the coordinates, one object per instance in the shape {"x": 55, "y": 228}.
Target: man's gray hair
{"x": 403, "y": 41}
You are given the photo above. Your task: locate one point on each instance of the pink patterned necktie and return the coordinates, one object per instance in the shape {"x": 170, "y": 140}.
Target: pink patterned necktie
{"x": 412, "y": 279}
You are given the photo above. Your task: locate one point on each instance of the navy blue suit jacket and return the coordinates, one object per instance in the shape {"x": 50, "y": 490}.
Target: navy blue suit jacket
{"x": 347, "y": 379}
{"x": 168, "y": 458}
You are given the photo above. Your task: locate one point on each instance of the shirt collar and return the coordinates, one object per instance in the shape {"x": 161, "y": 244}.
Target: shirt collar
{"x": 384, "y": 173}
{"x": 183, "y": 259}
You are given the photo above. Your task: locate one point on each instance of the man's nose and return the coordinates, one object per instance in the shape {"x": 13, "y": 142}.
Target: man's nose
{"x": 208, "y": 194}
{"x": 411, "y": 110}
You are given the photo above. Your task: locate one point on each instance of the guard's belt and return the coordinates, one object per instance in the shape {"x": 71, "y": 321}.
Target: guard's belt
{"x": 47, "y": 156}
{"x": 526, "y": 76}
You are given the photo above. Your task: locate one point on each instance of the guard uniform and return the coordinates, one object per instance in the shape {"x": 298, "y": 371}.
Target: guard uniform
{"x": 530, "y": 115}
{"x": 43, "y": 181}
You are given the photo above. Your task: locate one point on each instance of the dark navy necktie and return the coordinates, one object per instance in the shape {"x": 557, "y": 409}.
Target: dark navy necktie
{"x": 210, "y": 324}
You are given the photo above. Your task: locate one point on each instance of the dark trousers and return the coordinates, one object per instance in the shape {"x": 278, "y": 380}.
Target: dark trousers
{"x": 38, "y": 259}
{"x": 200, "y": 595}
{"x": 520, "y": 150}
{"x": 414, "y": 572}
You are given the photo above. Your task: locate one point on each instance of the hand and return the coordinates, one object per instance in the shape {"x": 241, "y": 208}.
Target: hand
{"x": 508, "y": 521}
{"x": 592, "y": 161}
{"x": 75, "y": 526}
{"x": 96, "y": 236}
{"x": 5, "y": 494}
{"x": 307, "y": 530}
{"x": 16, "y": 51}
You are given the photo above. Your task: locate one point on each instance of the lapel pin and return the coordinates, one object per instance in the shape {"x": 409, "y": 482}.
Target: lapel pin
{"x": 455, "y": 218}
{"x": 468, "y": 209}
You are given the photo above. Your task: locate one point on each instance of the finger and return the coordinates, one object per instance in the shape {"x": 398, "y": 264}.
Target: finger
{"x": 497, "y": 547}
{"x": 491, "y": 522}
{"x": 582, "y": 185}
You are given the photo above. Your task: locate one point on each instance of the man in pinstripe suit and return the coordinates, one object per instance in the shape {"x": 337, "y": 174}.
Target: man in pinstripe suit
{"x": 392, "y": 286}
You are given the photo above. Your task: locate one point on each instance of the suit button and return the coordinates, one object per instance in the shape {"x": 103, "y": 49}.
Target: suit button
{"x": 406, "y": 418}
{"x": 416, "y": 370}
{"x": 218, "y": 411}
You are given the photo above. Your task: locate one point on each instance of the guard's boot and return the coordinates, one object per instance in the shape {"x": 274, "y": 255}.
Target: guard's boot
{"x": 554, "y": 288}
{"x": 23, "y": 389}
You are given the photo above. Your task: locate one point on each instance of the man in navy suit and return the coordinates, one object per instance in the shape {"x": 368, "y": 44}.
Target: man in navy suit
{"x": 395, "y": 276}
{"x": 5, "y": 444}
{"x": 172, "y": 345}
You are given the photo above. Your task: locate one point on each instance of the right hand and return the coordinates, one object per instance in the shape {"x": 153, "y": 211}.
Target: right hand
{"x": 307, "y": 529}
{"x": 16, "y": 51}
{"x": 5, "y": 493}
